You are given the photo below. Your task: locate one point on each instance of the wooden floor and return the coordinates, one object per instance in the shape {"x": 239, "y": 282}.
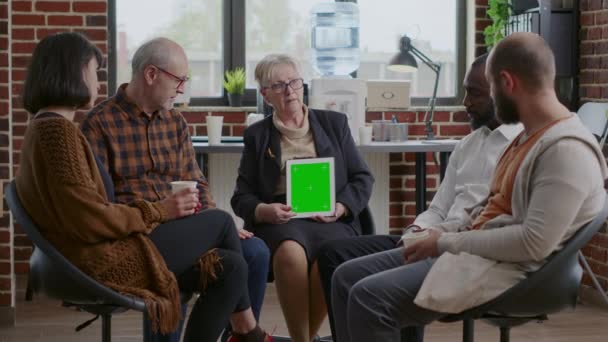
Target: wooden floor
{"x": 46, "y": 320}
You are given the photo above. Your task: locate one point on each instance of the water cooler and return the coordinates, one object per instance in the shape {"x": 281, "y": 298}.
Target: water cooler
{"x": 342, "y": 95}
{"x": 335, "y": 54}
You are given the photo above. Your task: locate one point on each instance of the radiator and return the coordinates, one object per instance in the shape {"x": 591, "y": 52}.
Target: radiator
{"x": 223, "y": 170}
{"x": 378, "y": 204}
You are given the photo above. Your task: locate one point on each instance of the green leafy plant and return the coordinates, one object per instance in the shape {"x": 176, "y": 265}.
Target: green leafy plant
{"x": 499, "y": 12}
{"x": 234, "y": 81}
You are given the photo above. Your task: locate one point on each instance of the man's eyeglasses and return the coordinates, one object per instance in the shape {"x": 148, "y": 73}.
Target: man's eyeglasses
{"x": 180, "y": 80}
{"x": 280, "y": 87}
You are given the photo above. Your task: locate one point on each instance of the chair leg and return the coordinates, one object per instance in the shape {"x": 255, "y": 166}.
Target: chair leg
{"x": 504, "y": 334}
{"x": 597, "y": 285}
{"x": 106, "y": 327}
{"x": 468, "y": 330}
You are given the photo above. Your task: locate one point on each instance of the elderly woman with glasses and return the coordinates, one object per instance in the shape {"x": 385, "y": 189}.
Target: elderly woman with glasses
{"x": 294, "y": 131}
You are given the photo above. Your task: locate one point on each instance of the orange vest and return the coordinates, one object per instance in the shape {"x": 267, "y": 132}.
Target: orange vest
{"x": 501, "y": 188}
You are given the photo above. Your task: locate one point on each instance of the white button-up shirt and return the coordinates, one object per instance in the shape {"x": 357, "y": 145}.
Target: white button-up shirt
{"x": 468, "y": 174}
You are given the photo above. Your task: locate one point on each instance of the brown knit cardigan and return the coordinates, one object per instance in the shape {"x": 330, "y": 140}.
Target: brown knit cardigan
{"x": 62, "y": 190}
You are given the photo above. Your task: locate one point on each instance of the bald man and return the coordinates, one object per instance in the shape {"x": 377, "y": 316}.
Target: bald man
{"x": 144, "y": 143}
{"x": 496, "y": 242}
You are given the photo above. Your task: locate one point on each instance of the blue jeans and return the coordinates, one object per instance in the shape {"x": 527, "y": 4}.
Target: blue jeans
{"x": 257, "y": 256}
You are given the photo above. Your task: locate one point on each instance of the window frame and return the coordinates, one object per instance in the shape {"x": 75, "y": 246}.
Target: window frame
{"x": 235, "y": 55}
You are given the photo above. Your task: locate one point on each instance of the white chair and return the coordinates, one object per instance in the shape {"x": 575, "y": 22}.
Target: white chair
{"x": 594, "y": 116}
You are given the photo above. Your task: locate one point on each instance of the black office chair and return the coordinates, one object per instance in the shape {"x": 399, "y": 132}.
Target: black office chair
{"x": 367, "y": 228}
{"x": 548, "y": 290}
{"x": 55, "y": 276}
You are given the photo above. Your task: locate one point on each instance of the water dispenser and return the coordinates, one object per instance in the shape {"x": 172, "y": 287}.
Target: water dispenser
{"x": 335, "y": 38}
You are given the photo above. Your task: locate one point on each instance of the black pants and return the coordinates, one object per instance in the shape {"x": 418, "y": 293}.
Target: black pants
{"x": 335, "y": 252}
{"x": 181, "y": 243}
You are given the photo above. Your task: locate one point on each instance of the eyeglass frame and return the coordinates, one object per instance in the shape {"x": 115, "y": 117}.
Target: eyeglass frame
{"x": 284, "y": 86}
{"x": 180, "y": 80}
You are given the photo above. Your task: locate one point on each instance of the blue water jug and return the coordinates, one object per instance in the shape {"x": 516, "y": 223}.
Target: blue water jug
{"x": 335, "y": 38}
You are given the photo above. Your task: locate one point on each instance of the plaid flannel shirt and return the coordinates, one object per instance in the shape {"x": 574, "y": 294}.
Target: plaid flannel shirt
{"x": 143, "y": 154}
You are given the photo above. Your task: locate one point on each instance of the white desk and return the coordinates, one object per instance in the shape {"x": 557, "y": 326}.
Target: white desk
{"x": 224, "y": 160}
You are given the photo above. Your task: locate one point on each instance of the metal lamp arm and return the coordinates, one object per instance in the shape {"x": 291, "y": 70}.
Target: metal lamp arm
{"x": 436, "y": 68}
{"x": 429, "y": 121}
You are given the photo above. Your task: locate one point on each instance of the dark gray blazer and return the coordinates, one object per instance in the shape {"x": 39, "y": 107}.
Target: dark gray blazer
{"x": 260, "y": 167}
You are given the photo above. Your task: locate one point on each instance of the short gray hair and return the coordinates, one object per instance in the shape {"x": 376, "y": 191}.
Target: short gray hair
{"x": 155, "y": 51}
{"x": 265, "y": 68}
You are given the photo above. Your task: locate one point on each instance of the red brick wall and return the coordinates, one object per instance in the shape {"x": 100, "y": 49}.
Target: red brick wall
{"x": 594, "y": 51}
{"x": 481, "y": 22}
{"x": 31, "y": 21}
{"x": 6, "y": 284}
{"x": 594, "y": 88}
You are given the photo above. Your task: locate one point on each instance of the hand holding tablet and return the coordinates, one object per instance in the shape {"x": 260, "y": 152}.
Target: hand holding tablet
{"x": 275, "y": 213}
{"x": 340, "y": 211}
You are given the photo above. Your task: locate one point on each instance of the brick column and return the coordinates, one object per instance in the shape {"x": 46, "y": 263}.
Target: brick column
{"x": 7, "y": 285}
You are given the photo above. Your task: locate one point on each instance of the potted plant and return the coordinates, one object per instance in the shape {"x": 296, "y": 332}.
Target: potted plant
{"x": 234, "y": 83}
{"x": 499, "y": 12}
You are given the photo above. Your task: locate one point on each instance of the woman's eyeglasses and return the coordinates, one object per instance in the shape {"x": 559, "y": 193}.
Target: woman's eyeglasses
{"x": 280, "y": 87}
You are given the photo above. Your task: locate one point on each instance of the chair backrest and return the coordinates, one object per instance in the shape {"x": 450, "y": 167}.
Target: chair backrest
{"x": 594, "y": 117}
{"x": 367, "y": 222}
{"x": 552, "y": 287}
{"x": 54, "y": 275}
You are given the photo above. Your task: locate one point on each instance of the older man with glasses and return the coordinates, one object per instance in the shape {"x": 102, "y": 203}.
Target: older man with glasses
{"x": 295, "y": 131}
{"x": 145, "y": 145}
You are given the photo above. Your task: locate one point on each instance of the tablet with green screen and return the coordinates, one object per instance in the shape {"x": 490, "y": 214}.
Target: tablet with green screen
{"x": 311, "y": 186}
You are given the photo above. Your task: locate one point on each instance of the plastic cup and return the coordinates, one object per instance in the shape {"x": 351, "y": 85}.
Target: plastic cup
{"x": 380, "y": 130}
{"x": 398, "y": 131}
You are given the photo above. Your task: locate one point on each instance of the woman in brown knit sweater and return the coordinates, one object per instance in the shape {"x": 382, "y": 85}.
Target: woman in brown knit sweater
{"x": 62, "y": 188}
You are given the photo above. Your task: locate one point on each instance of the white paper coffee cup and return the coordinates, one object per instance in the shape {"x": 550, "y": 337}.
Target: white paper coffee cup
{"x": 214, "y": 129}
{"x": 410, "y": 237}
{"x": 178, "y": 186}
{"x": 365, "y": 135}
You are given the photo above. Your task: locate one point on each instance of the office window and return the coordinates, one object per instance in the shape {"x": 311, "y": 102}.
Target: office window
{"x": 278, "y": 26}
{"x": 223, "y": 34}
{"x": 195, "y": 25}
{"x": 433, "y": 27}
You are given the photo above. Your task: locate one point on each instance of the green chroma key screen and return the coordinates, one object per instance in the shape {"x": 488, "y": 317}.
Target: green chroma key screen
{"x": 311, "y": 187}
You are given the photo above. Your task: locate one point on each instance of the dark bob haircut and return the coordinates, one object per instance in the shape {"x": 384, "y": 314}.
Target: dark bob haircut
{"x": 55, "y": 74}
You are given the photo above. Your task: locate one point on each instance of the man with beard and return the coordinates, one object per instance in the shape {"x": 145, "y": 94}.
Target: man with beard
{"x": 465, "y": 183}
{"x": 463, "y": 264}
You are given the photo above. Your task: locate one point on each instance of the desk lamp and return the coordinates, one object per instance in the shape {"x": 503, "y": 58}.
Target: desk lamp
{"x": 404, "y": 61}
